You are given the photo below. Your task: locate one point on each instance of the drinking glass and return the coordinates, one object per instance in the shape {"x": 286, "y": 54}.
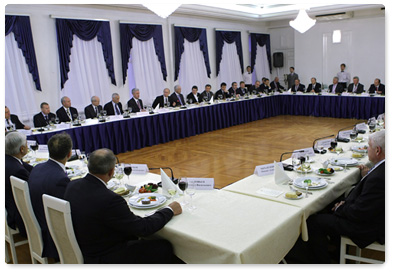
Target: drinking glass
{"x": 333, "y": 144}
{"x": 353, "y": 134}
{"x": 191, "y": 190}
{"x": 127, "y": 169}
{"x": 295, "y": 162}
{"x": 119, "y": 172}
{"x": 320, "y": 148}
{"x": 172, "y": 192}
{"x": 34, "y": 147}
{"x": 104, "y": 113}
{"x": 183, "y": 185}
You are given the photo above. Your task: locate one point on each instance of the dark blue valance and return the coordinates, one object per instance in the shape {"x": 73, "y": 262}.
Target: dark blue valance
{"x": 20, "y": 26}
{"x": 85, "y": 30}
{"x": 142, "y": 33}
{"x": 192, "y": 35}
{"x": 261, "y": 40}
{"x": 229, "y": 37}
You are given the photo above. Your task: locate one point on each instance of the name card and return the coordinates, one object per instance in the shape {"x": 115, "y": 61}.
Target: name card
{"x": 345, "y": 134}
{"x": 266, "y": 169}
{"x": 43, "y": 148}
{"x": 145, "y": 113}
{"x": 202, "y": 183}
{"x": 63, "y": 126}
{"x": 76, "y": 152}
{"x": 31, "y": 142}
{"x": 25, "y": 132}
{"x": 308, "y": 151}
{"x": 139, "y": 168}
{"x": 326, "y": 143}
{"x": 361, "y": 126}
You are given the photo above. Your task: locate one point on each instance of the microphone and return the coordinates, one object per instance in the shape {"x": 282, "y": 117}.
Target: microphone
{"x": 289, "y": 167}
{"x": 339, "y": 139}
{"x": 175, "y": 181}
{"x": 74, "y": 156}
{"x": 315, "y": 150}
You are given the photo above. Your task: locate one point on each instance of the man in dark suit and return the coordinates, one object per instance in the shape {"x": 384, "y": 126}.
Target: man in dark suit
{"x": 297, "y": 86}
{"x": 43, "y": 118}
{"x": 93, "y": 109}
{"x": 50, "y": 178}
{"x": 105, "y": 228}
{"x": 177, "y": 99}
{"x": 207, "y": 94}
{"x": 291, "y": 77}
{"x": 275, "y": 85}
{"x": 114, "y": 107}
{"x": 314, "y": 86}
{"x": 66, "y": 113}
{"x": 355, "y": 87}
{"x": 255, "y": 89}
{"x": 265, "y": 86}
{"x": 242, "y": 90}
{"x": 335, "y": 88}
{"x": 377, "y": 87}
{"x": 193, "y": 97}
{"x": 135, "y": 102}
{"x": 162, "y": 100}
{"x": 361, "y": 215}
{"x": 13, "y": 121}
{"x": 232, "y": 89}
{"x": 15, "y": 150}
{"x": 223, "y": 92}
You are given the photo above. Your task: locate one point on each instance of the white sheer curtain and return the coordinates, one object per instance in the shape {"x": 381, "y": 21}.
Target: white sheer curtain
{"x": 88, "y": 74}
{"x": 20, "y": 90}
{"x": 145, "y": 72}
{"x": 229, "y": 68}
{"x": 192, "y": 68}
{"x": 261, "y": 64}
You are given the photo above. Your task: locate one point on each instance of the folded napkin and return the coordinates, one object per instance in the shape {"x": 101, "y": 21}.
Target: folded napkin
{"x": 280, "y": 177}
{"x": 212, "y": 100}
{"x": 156, "y": 108}
{"x": 168, "y": 184}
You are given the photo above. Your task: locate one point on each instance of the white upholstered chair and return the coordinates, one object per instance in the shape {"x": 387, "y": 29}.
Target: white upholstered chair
{"x": 344, "y": 242}
{"x": 9, "y": 238}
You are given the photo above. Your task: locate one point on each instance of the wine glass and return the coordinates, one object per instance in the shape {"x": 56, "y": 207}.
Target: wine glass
{"x": 333, "y": 144}
{"x": 127, "y": 169}
{"x": 104, "y": 113}
{"x": 295, "y": 162}
{"x": 191, "y": 190}
{"x": 220, "y": 97}
{"x": 34, "y": 147}
{"x": 183, "y": 185}
{"x": 119, "y": 172}
{"x": 320, "y": 148}
{"x": 353, "y": 134}
{"x": 57, "y": 120}
{"x": 168, "y": 104}
{"x": 338, "y": 150}
{"x": 172, "y": 192}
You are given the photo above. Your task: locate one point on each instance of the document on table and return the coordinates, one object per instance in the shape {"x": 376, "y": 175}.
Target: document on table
{"x": 269, "y": 192}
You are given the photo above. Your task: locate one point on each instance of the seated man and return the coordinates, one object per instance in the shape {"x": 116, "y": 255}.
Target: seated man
{"x": 298, "y": 86}
{"x": 314, "y": 86}
{"x": 193, "y": 97}
{"x": 377, "y": 87}
{"x": 162, "y": 100}
{"x": 255, "y": 89}
{"x": 135, "y": 102}
{"x": 222, "y": 93}
{"x": 12, "y": 121}
{"x": 232, "y": 89}
{"x": 335, "y": 88}
{"x": 206, "y": 94}
{"x": 50, "y": 178}
{"x": 15, "y": 149}
{"x": 114, "y": 107}
{"x": 66, "y": 113}
{"x": 265, "y": 86}
{"x": 177, "y": 99}
{"x": 355, "y": 87}
{"x": 94, "y": 109}
{"x": 43, "y": 118}
{"x": 242, "y": 90}
{"x": 105, "y": 228}
{"x": 275, "y": 85}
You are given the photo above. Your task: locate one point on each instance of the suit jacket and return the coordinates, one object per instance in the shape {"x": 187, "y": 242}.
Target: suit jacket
{"x": 22, "y": 171}
{"x": 232, "y": 92}
{"x": 339, "y": 88}
{"x": 242, "y": 92}
{"x": 110, "y": 109}
{"x": 173, "y": 98}
{"x": 317, "y": 87}
{"x": 46, "y": 178}
{"x": 191, "y": 97}
{"x": 223, "y": 93}
{"x": 362, "y": 216}
{"x": 133, "y": 104}
{"x": 291, "y": 79}
{"x": 264, "y": 88}
{"x": 39, "y": 120}
{"x": 301, "y": 88}
{"x": 160, "y": 100}
{"x": 255, "y": 89}
{"x": 90, "y": 111}
{"x": 103, "y": 222}
{"x": 372, "y": 88}
{"x": 62, "y": 115}
{"x": 204, "y": 94}
{"x": 15, "y": 120}
{"x": 276, "y": 87}
{"x": 359, "y": 88}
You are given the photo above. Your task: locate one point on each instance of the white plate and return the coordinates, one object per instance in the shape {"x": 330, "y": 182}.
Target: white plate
{"x": 323, "y": 174}
{"x": 308, "y": 171}
{"x": 356, "y": 140}
{"x": 358, "y": 155}
{"x": 360, "y": 148}
{"x": 337, "y": 168}
{"x": 334, "y": 151}
{"x": 297, "y": 198}
{"x": 343, "y": 160}
{"x": 135, "y": 201}
{"x": 316, "y": 182}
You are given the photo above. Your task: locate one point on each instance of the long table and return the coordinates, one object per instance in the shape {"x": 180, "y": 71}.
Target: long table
{"x": 122, "y": 135}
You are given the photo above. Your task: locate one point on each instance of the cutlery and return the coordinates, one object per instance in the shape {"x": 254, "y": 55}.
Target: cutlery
{"x": 307, "y": 191}
{"x": 293, "y": 189}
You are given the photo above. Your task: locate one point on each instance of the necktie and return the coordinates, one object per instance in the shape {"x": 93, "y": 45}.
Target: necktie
{"x": 68, "y": 114}
{"x": 138, "y": 103}
{"x": 8, "y": 121}
{"x": 96, "y": 110}
{"x": 46, "y": 119}
{"x": 165, "y": 100}
{"x": 117, "y": 110}
{"x": 179, "y": 98}
{"x": 377, "y": 88}
{"x": 355, "y": 88}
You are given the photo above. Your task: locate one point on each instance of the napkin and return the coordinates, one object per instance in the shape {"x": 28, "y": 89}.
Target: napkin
{"x": 280, "y": 177}
{"x": 212, "y": 100}
{"x": 168, "y": 184}
{"x": 156, "y": 108}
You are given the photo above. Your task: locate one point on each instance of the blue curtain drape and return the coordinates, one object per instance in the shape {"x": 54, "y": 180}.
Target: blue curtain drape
{"x": 20, "y": 26}
{"x": 142, "y": 33}
{"x": 85, "y": 30}
{"x": 261, "y": 40}
{"x": 192, "y": 35}
{"x": 229, "y": 37}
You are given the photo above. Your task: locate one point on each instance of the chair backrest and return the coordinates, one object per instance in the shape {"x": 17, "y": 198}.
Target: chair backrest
{"x": 20, "y": 190}
{"x": 58, "y": 215}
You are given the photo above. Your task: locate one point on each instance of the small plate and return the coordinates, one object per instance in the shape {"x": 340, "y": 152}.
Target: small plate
{"x": 300, "y": 171}
{"x": 323, "y": 174}
{"x": 297, "y": 198}
{"x": 334, "y": 150}
{"x": 337, "y": 168}
{"x": 317, "y": 183}
{"x": 360, "y": 149}
{"x": 343, "y": 160}
{"x": 135, "y": 201}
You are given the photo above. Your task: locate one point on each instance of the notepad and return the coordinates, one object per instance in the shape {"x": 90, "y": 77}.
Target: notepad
{"x": 269, "y": 192}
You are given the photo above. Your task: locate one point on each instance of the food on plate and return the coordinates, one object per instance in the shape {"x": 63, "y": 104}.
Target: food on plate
{"x": 307, "y": 181}
{"x": 359, "y": 138}
{"x": 291, "y": 195}
{"x": 149, "y": 198}
{"x": 146, "y": 201}
{"x": 337, "y": 149}
{"x": 41, "y": 159}
{"x": 326, "y": 170}
{"x": 337, "y": 169}
{"x": 121, "y": 191}
{"x": 150, "y": 187}
{"x": 354, "y": 155}
{"x": 304, "y": 169}
{"x": 362, "y": 148}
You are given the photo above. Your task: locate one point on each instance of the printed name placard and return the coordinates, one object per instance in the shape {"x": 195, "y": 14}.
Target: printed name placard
{"x": 308, "y": 151}
{"x": 326, "y": 143}
{"x": 202, "y": 183}
{"x": 31, "y": 142}
{"x": 266, "y": 169}
{"x": 139, "y": 168}
{"x": 43, "y": 148}
{"x": 345, "y": 134}
{"x": 63, "y": 126}
{"x": 25, "y": 132}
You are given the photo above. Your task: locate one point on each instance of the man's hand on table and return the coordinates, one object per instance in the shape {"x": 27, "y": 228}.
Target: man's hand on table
{"x": 176, "y": 207}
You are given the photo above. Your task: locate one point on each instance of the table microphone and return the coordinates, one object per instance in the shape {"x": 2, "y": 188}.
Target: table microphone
{"x": 315, "y": 150}
{"x": 289, "y": 167}
{"x": 344, "y": 139}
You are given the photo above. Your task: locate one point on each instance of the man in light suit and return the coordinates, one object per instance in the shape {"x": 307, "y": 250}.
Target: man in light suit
{"x": 314, "y": 86}
{"x": 335, "y": 88}
{"x": 162, "y": 100}
{"x": 135, "y": 102}
{"x": 93, "y": 109}
{"x": 11, "y": 119}
{"x": 43, "y": 118}
{"x": 50, "y": 178}
{"x": 177, "y": 99}
{"x": 105, "y": 228}
{"x": 193, "y": 97}
{"x": 15, "y": 150}
{"x": 114, "y": 107}
{"x": 355, "y": 87}
{"x": 291, "y": 77}
{"x": 298, "y": 86}
{"x": 66, "y": 113}
{"x": 377, "y": 87}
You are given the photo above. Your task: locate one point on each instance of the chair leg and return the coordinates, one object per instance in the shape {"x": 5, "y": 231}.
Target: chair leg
{"x": 7, "y": 255}
{"x": 343, "y": 251}
{"x": 358, "y": 253}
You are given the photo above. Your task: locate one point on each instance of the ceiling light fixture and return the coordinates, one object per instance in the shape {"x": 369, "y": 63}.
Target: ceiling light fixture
{"x": 162, "y": 10}
{"x": 303, "y": 22}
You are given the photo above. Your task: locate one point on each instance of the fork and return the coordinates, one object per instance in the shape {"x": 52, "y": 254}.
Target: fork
{"x": 307, "y": 191}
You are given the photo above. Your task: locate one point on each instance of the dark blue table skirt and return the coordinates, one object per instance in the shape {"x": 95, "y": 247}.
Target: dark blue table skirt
{"x": 136, "y": 133}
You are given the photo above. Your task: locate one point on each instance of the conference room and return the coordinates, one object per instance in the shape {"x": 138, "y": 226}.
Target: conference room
{"x": 195, "y": 133}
